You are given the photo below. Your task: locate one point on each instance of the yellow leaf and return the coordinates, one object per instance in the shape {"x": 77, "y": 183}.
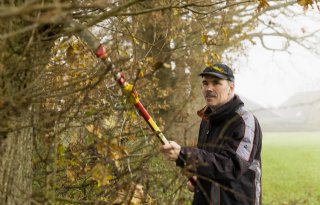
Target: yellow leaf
{"x": 206, "y": 60}
{"x": 175, "y": 12}
{"x": 149, "y": 60}
{"x": 102, "y": 174}
{"x": 90, "y": 128}
{"x": 305, "y": 3}
{"x": 70, "y": 175}
{"x": 136, "y": 41}
{"x": 204, "y": 38}
{"x": 226, "y": 34}
{"x": 216, "y": 57}
{"x": 132, "y": 115}
{"x": 61, "y": 150}
{"x": 140, "y": 73}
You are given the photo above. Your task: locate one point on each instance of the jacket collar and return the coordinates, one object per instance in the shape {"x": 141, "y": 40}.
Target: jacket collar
{"x": 221, "y": 112}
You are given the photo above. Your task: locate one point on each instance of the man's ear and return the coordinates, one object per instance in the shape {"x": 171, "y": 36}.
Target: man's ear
{"x": 231, "y": 87}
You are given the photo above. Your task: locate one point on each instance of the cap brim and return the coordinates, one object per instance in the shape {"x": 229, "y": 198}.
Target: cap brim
{"x": 213, "y": 74}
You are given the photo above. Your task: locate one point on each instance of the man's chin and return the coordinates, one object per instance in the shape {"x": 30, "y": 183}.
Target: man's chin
{"x": 211, "y": 104}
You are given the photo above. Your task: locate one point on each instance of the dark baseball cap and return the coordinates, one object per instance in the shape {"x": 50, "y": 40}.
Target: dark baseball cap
{"x": 219, "y": 70}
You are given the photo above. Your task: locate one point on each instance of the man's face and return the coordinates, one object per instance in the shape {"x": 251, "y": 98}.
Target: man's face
{"x": 216, "y": 91}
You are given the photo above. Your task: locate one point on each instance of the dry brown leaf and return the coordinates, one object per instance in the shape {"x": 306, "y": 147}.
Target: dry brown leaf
{"x": 305, "y": 3}
{"x": 2, "y": 104}
{"x": 136, "y": 198}
{"x": 263, "y": 4}
{"x": 117, "y": 152}
{"x": 94, "y": 130}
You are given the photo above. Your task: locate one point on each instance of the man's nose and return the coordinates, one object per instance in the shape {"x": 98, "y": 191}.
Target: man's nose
{"x": 209, "y": 87}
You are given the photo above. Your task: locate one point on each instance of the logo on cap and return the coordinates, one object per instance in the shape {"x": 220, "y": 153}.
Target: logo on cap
{"x": 219, "y": 69}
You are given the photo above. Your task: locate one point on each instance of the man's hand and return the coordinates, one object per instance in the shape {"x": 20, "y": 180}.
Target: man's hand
{"x": 190, "y": 185}
{"x": 171, "y": 150}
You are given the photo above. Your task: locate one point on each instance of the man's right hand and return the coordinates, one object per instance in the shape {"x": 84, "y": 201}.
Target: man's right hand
{"x": 190, "y": 185}
{"x": 171, "y": 150}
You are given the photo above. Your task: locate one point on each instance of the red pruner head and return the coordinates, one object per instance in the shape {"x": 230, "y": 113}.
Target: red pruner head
{"x": 101, "y": 52}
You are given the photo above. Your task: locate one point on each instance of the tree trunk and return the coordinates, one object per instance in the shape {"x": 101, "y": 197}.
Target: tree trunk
{"x": 23, "y": 57}
{"x": 16, "y": 168}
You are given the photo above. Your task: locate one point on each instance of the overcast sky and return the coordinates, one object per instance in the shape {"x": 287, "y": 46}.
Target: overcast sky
{"x": 270, "y": 78}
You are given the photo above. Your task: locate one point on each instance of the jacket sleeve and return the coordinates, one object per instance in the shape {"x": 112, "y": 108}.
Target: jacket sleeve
{"x": 228, "y": 163}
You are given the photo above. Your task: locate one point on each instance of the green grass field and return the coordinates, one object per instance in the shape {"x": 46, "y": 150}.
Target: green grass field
{"x": 291, "y": 168}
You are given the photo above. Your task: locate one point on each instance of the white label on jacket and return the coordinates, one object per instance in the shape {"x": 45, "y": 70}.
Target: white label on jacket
{"x": 246, "y": 144}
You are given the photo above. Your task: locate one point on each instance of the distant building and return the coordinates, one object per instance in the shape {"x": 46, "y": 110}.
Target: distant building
{"x": 268, "y": 118}
{"x": 301, "y": 112}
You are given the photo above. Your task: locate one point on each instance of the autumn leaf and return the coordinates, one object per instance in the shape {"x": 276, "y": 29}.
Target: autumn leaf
{"x": 305, "y": 3}
{"x": 109, "y": 122}
{"x": 136, "y": 41}
{"x": 263, "y": 4}
{"x": 140, "y": 73}
{"x": 94, "y": 130}
{"x": 136, "y": 198}
{"x": 61, "y": 150}
{"x": 149, "y": 60}
{"x": 101, "y": 148}
{"x": 204, "y": 38}
{"x": 216, "y": 57}
{"x": 138, "y": 195}
{"x": 71, "y": 53}
{"x": 3, "y": 104}
{"x": 117, "y": 152}
{"x": 102, "y": 174}
{"x": 70, "y": 175}
{"x": 225, "y": 31}
{"x": 132, "y": 116}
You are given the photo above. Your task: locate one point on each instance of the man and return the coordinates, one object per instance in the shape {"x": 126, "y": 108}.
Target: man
{"x": 226, "y": 163}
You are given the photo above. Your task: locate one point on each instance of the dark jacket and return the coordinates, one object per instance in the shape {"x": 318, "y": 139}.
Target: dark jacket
{"x": 227, "y": 160}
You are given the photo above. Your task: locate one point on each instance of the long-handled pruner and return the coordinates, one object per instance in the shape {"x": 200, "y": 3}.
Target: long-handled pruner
{"x": 128, "y": 89}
